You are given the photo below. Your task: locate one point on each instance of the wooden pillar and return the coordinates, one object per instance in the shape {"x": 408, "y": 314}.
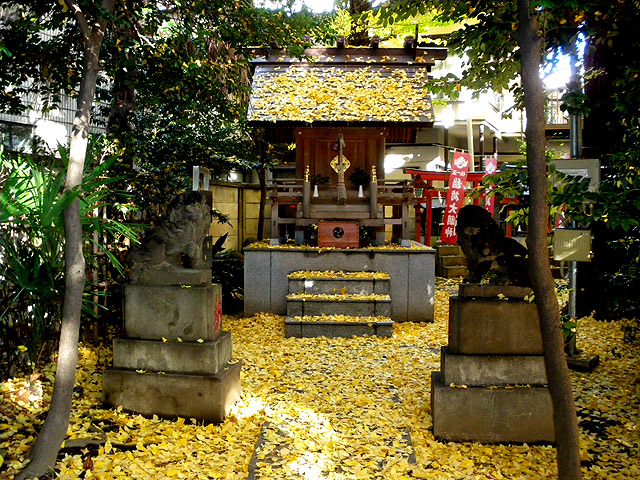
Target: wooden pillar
{"x": 275, "y": 231}
{"x": 306, "y": 194}
{"x": 405, "y": 220}
{"x": 429, "y": 219}
{"x": 418, "y": 227}
{"x": 381, "y": 152}
{"x": 373, "y": 193}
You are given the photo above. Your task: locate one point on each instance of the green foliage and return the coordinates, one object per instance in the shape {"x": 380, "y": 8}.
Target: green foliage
{"x": 189, "y": 68}
{"x": 319, "y": 179}
{"x": 567, "y": 193}
{"x": 359, "y": 177}
{"x": 228, "y": 270}
{"x": 32, "y": 204}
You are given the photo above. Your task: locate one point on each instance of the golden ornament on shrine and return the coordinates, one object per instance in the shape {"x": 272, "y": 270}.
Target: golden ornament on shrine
{"x": 335, "y": 164}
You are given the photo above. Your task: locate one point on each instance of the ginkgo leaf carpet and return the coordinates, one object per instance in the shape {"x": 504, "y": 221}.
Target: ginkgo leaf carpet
{"x": 318, "y": 408}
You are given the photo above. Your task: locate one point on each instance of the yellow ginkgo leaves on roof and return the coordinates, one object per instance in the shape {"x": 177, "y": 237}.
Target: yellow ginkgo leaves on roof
{"x": 349, "y": 94}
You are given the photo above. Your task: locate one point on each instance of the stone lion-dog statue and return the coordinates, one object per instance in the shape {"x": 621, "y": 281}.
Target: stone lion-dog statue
{"x": 177, "y": 241}
{"x": 488, "y": 250}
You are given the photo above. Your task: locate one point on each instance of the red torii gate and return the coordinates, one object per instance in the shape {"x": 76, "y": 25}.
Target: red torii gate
{"x": 423, "y": 179}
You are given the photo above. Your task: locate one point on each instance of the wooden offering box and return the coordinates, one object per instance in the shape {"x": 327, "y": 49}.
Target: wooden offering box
{"x": 338, "y": 234}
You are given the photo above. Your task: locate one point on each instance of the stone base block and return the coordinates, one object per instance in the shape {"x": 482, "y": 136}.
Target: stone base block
{"x": 308, "y": 329}
{"x": 172, "y": 357}
{"x": 491, "y": 415}
{"x": 178, "y": 276}
{"x": 411, "y": 271}
{"x": 484, "y": 370}
{"x": 205, "y": 397}
{"x": 494, "y": 327}
{"x": 172, "y": 311}
{"x": 492, "y": 291}
{"x": 355, "y": 308}
{"x": 358, "y": 286}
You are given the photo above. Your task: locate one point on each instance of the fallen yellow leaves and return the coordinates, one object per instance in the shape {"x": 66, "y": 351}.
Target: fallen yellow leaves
{"x": 364, "y": 297}
{"x": 338, "y": 409}
{"x": 264, "y": 244}
{"x": 340, "y": 94}
{"x": 339, "y": 318}
{"x": 336, "y": 274}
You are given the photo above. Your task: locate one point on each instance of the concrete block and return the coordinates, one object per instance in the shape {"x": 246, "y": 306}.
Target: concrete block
{"x": 205, "y": 397}
{"x": 154, "y": 311}
{"x": 491, "y": 415}
{"x": 451, "y": 260}
{"x": 295, "y": 308}
{"x": 257, "y": 282}
{"x": 357, "y": 286}
{"x": 381, "y": 286}
{"x": 485, "y": 370}
{"x": 296, "y": 285}
{"x": 454, "y": 271}
{"x": 266, "y": 270}
{"x": 179, "y": 276}
{"x": 309, "y": 329}
{"x": 172, "y": 357}
{"x": 493, "y": 327}
{"x": 355, "y": 308}
{"x": 448, "y": 249}
{"x": 492, "y": 291}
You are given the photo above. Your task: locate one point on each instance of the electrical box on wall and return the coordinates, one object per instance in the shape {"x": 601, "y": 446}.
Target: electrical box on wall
{"x": 572, "y": 245}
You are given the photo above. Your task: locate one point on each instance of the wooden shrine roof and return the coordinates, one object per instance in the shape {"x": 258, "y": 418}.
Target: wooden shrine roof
{"x": 344, "y": 86}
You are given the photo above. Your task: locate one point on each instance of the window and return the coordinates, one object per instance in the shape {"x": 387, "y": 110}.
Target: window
{"x": 17, "y": 137}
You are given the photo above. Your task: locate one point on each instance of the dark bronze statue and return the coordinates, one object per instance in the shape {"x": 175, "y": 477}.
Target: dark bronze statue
{"x": 488, "y": 250}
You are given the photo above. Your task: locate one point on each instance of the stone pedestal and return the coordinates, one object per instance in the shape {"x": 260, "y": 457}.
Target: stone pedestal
{"x": 175, "y": 360}
{"x": 492, "y": 386}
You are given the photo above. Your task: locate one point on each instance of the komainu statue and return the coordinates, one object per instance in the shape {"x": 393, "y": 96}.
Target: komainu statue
{"x": 177, "y": 242}
{"x": 488, "y": 250}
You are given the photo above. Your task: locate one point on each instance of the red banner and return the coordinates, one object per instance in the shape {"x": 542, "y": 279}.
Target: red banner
{"x": 490, "y": 167}
{"x": 455, "y": 195}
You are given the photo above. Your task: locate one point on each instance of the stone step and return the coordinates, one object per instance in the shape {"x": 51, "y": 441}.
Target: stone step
{"x": 489, "y": 370}
{"x": 517, "y": 414}
{"x": 453, "y": 271}
{"x": 341, "y": 283}
{"x": 171, "y": 395}
{"x": 452, "y": 260}
{"x": 443, "y": 249}
{"x": 353, "y": 305}
{"x": 339, "y": 326}
{"x": 202, "y": 358}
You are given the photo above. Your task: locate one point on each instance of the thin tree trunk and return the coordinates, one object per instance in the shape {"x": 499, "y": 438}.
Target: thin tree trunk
{"x": 45, "y": 450}
{"x": 564, "y": 413}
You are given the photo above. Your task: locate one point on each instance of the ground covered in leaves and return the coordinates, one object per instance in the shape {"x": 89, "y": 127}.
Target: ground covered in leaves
{"x": 326, "y": 409}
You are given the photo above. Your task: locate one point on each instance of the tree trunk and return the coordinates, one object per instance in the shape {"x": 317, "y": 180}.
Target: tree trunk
{"x": 359, "y": 36}
{"x": 564, "y": 413}
{"x": 45, "y": 450}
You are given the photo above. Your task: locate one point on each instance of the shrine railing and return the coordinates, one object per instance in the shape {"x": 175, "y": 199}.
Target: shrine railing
{"x": 296, "y": 202}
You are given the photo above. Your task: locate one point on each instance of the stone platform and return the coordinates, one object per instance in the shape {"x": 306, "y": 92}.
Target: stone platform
{"x": 411, "y": 269}
{"x": 338, "y": 304}
{"x": 298, "y": 327}
{"x": 175, "y": 360}
{"x": 492, "y": 386}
